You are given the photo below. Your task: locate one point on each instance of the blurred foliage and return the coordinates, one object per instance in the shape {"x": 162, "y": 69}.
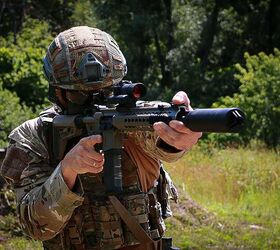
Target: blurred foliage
{"x": 12, "y": 113}
{"x": 22, "y": 83}
{"x": 212, "y": 36}
{"x": 189, "y": 45}
{"x": 258, "y": 96}
{"x": 13, "y": 14}
{"x": 21, "y": 63}
{"x": 145, "y": 32}
{"x": 83, "y": 14}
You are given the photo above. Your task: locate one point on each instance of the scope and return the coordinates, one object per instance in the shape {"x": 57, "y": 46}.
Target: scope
{"x": 133, "y": 90}
{"x": 126, "y": 93}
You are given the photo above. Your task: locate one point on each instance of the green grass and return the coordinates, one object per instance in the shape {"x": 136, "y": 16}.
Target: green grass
{"x": 240, "y": 189}
{"x": 237, "y": 202}
{"x": 11, "y": 236}
{"x": 20, "y": 243}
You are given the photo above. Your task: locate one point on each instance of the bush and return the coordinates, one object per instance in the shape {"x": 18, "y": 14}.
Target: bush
{"x": 12, "y": 113}
{"x": 258, "y": 96}
{"x": 21, "y": 64}
{"x": 23, "y": 87}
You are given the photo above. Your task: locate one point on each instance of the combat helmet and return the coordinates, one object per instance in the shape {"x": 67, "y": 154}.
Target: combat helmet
{"x": 84, "y": 59}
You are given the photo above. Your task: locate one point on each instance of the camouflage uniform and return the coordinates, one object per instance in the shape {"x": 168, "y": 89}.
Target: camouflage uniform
{"x": 85, "y": 217}
{"x": 81, "y": 219}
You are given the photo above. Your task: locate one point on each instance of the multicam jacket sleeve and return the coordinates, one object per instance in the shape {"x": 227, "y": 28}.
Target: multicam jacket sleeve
{"x": 44, "y": 202}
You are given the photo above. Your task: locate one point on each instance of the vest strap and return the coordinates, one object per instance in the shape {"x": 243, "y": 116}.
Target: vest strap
{"x": 133, "y": 224}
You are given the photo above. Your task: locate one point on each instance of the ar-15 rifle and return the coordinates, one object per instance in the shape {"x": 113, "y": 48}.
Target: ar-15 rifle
{"x": 121, "y": 113}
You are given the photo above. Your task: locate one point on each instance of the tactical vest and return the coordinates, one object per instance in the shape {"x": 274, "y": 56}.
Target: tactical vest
{"x": 96, "y": 224}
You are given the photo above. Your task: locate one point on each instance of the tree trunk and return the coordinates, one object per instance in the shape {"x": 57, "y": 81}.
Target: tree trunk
{"x": 3, "y": 6}
{"x": 160, "y": 56}
{"x": 167, "y": 77}
{"x": 271, "y": 17}
{"x": 164, "y": 64}
{"x": 207, "y": 36}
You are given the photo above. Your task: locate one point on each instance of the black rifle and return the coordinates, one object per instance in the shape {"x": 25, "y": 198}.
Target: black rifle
{"x": 121, "y": 113}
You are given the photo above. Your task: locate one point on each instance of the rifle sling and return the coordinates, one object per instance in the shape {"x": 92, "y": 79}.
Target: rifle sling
{"x": 132, "y": 223}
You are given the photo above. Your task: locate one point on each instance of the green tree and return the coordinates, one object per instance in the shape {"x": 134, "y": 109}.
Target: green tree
{"x": 258, "y": 96}
{"x": 212, "y": 36}
{"x": 56, "y": 12}
{"x": 83, "y": 14}
{"x": 145, "y": 32}
{"x": 21, "y": 64}
{"x": 12, "y": 113}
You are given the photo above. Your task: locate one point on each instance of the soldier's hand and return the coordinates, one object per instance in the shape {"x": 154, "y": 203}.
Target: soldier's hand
{"x": 82, "y": 158}
{"x": 176, "y": 134}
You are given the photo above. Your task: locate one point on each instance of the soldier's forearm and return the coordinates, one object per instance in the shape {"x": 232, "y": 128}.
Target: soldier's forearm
{"x": 155, "y": 147}
{"x": 45, "y": 209}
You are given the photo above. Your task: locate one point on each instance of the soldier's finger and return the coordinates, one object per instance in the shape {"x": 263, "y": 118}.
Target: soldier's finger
{"x": 91, "y": 140}
{"x": 166, "y": 133}
{"x": 89, "y": 162}
{"x": 92, "y": 154}
{"x": 95, "y": 170}
{"x": 181, "y": 98}
{"x": 180, "y": 127}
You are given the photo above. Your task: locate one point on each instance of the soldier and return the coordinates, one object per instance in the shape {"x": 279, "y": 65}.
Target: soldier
{"x": 64, "y": 203}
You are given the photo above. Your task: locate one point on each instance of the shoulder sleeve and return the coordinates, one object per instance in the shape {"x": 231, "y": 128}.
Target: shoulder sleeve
{"x": 27, "y": 146}
{"x": 30, "y": 136}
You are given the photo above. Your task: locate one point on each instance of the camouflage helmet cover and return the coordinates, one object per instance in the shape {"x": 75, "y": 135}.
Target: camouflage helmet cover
{"x": 70, "y": 52}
